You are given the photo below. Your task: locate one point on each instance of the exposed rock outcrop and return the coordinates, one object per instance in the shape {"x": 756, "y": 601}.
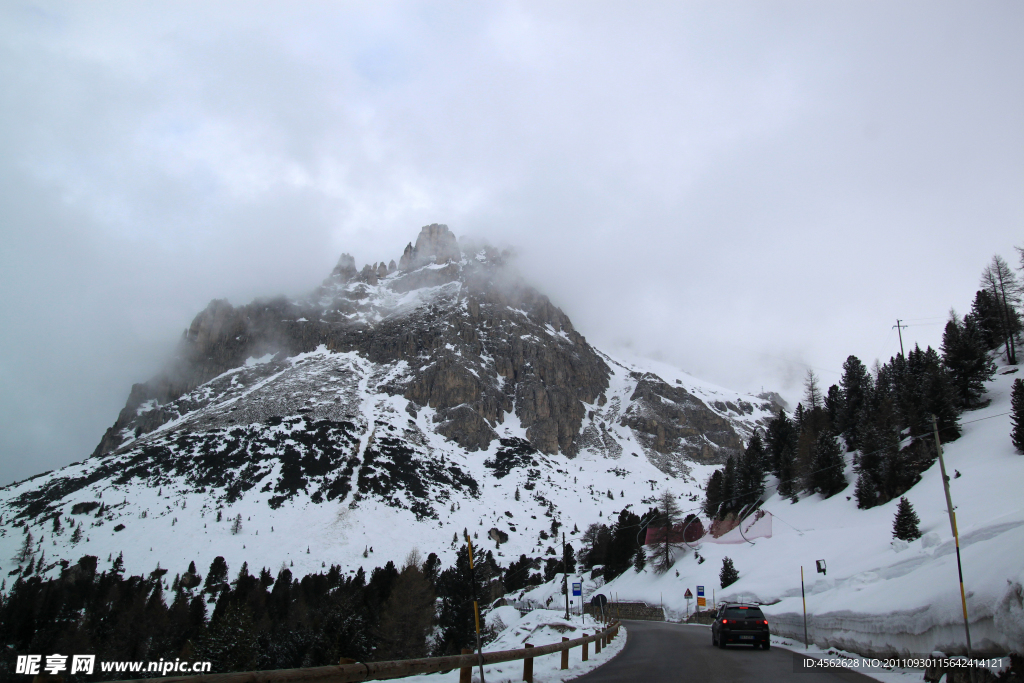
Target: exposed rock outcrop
{"x": 346, "y": 268}
{"x": 669, "y": 420}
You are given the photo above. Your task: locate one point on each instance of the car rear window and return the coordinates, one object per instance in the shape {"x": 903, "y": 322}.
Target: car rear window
{"x": 743, "y": 613}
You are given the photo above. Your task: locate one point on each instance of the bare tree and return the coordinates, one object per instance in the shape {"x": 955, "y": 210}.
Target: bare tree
{"x": 407, "y": 616}
{"x": 812, "y": 391}
{"x": 999, "y": 280}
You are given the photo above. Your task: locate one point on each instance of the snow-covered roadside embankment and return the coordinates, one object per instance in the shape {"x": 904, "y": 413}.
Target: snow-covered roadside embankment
{"x": 539, "y": 627}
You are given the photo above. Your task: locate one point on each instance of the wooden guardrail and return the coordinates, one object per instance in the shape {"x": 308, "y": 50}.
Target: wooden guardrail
{"x": 378, "y": 671}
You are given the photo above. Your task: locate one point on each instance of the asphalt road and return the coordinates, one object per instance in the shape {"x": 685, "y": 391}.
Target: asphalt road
{"x": 659, "y": 652}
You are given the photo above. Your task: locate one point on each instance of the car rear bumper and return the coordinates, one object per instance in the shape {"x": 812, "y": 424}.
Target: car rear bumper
{"x": 744, "y": 636}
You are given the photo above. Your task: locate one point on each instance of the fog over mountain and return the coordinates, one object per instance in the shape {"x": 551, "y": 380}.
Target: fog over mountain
{"x": 739, "y": 190}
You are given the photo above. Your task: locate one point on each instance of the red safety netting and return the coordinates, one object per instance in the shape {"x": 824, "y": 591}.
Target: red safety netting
{"x": 694, "y": 532}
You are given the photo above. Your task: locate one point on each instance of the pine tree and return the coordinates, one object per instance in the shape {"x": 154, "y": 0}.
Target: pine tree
{"x": 938, "y": 398}
{"x": 1017, "y": 414}
{"x": 781, "y": 434}
{"x": 217, "y": 576}
{"x": 713, "y": 495}
{"x": 856, "y": 388}
{"x": 750, "y": 473}
{"x": 904, "y": 526}
{"x": 728, "y": 575}
{"x": 26, "y": 552}
{"x": 729, "y": 485}
{"x": 833, "y": 404}
{"x": 76, "y": 536}
{"x": 966, "y": 360}
{"x": 236, "y": 526}
{"x": 788, "y": 485}
{"x": 640, "y": 559}
{"x": 117, "y": 568}
{"x": 985, "y": 312}
{"x": 828, "y": 477}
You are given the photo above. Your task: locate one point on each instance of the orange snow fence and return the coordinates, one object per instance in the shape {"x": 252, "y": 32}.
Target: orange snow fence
{"x": 694, "y": 532}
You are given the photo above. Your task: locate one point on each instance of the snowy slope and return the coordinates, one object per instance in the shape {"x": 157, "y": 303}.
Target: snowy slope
{"x": 168, "y": 520}
{"x": 879, "y": 596}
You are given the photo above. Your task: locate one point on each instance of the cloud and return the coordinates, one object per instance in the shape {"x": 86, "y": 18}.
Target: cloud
{"x": 737, "y": 189}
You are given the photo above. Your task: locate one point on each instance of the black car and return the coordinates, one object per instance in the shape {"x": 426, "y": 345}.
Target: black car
{"x": 743, "y": 624}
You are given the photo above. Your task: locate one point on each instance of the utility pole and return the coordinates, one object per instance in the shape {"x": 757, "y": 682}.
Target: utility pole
{"x": 899, "y": 329}
{"x": 956, "y": 538}
{"x": 565, "y": 578}
{"x": 803, "y": 595}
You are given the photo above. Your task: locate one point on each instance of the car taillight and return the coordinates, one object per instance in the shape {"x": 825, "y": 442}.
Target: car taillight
{"x": 765, "y": 622}
{"x": 725, "y": 621}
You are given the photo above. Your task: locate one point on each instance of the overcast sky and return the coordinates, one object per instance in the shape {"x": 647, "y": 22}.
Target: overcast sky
{"x": 741, "y": 189}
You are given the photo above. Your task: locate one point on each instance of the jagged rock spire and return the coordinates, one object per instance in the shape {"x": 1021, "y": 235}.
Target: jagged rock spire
{"x": 346, "y": 268}
{"x": 435, "y": 243}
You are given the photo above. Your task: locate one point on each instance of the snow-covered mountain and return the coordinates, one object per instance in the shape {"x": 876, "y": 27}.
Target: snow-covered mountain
{"x": 390, "y": 409}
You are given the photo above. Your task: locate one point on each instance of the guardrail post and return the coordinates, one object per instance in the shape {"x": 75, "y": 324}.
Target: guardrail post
{"x": 565, "y": 654}
{"x": 466, "y": 672}
{"x": 528, "y": 666}
{"x": 586, "y": 654}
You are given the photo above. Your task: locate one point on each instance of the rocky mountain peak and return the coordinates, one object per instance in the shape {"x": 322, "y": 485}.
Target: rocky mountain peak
{"x": 435, "y": 244}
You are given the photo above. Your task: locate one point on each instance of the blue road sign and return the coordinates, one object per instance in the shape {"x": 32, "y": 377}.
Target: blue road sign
{"x": 577, "y": 589}
{"x": 700, "y": 591}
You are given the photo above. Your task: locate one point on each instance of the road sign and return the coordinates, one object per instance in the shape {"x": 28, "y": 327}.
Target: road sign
{"x": 700, "y": 591}
{"x": 577, "y": 588}
{"x": 599, "y": 600}
{"x": 688, "y": 594}
{"x": 702, "y": 602}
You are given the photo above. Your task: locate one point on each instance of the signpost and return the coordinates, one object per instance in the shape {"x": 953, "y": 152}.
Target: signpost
{"x": 689, "y": 596}
{"x": 577, "y": 591}
{"x": 701, "y": 601}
